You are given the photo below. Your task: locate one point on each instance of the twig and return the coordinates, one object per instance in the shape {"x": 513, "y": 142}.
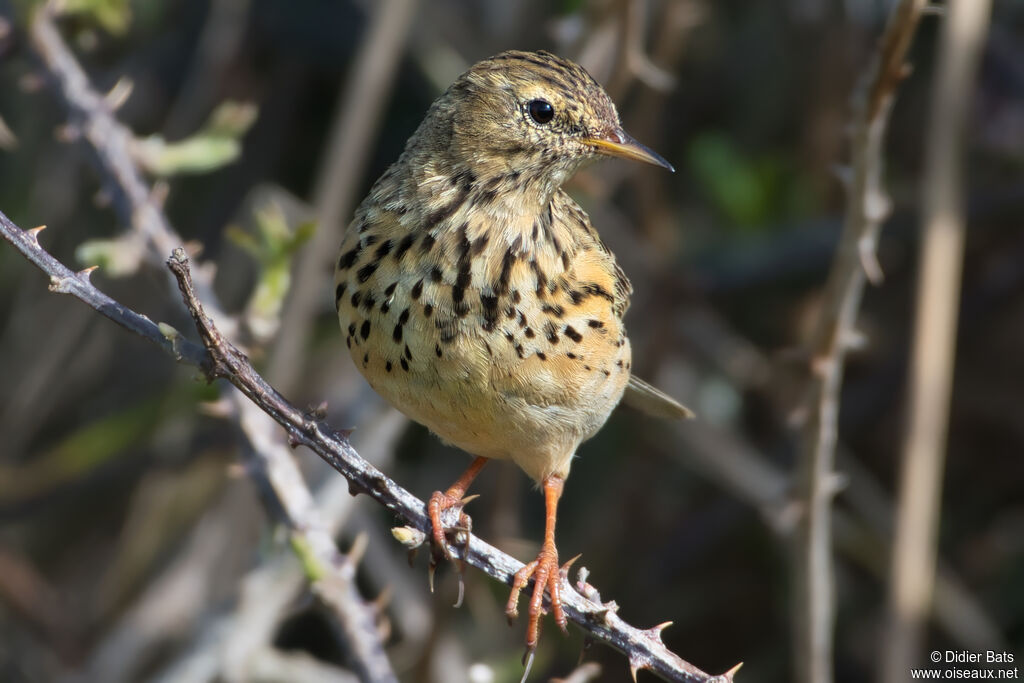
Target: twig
{"x": 111, "y": 141}
{"x": 868, "y": 206}
{"x": 332, "y": 574}
{"x": 276, "y": 471}
{"x": 938, "y": 298}
{"x": 644, "y": 648}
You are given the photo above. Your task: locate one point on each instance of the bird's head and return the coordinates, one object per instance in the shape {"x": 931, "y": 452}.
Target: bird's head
{"x": 532, "y": 114}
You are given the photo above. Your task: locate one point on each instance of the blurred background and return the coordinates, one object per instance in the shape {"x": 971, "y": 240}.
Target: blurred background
{"x": 133, "y": 546}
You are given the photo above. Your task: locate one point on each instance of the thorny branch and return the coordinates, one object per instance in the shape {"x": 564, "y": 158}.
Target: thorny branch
{"x": 92, "y": 117}
{"x": 272, "y": 467}
{"x": 598, "y": 619}
{"x": 868, "y": 206}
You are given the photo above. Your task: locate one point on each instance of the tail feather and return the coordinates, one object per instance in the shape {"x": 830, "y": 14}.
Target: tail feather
{"x": 651, "y": 400}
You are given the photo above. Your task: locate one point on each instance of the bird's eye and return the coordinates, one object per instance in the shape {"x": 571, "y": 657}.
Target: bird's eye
{"x": 541, "y": 111}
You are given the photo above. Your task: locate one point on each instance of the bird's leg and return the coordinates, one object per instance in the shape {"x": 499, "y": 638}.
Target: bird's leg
{"x": 439, "y": 502}
{"x": 544, "y": 570}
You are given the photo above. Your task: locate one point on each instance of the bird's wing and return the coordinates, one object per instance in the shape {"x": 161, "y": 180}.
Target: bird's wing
{"x": 648, "y": 399}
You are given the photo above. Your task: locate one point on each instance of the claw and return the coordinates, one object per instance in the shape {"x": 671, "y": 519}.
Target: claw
{"x": 462, "y": 589}
{"x": 527, "y": 662}
{"x": 546, "y": 574}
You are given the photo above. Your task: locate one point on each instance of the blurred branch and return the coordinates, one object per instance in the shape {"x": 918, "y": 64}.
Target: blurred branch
{"x": 644, "y": 648}
{"x": 91, "y": 116}
{"x": 358, "y": 114}
{"x": 332, "y": 575}
{"x": 938, "y": 299}
{"x": 868, "y": 206}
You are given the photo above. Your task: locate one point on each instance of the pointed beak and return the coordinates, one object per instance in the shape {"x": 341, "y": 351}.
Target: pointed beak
{"x": 619, "y": 143}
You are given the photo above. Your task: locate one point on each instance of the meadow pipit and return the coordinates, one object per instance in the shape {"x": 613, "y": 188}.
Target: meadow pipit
{"x": 477, "y": 298}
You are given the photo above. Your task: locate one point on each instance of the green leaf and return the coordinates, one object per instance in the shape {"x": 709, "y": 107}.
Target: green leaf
{"x": 196, "y": 154}
{"x": 114, "y": 16}
{"x": 214, "y": 145}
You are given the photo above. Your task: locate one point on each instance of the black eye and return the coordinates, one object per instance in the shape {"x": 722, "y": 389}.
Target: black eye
{"x": 541, "y": 111}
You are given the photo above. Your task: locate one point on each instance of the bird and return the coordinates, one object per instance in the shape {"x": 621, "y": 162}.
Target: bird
{"x": 476, "y": 297}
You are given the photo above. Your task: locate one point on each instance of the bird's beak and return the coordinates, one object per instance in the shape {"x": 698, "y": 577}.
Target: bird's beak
{"x": 619, "y": 143}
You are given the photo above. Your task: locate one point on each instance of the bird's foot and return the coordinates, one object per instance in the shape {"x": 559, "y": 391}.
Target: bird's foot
{"x": 440, "y": 502}
{"x": 545, "y": 573}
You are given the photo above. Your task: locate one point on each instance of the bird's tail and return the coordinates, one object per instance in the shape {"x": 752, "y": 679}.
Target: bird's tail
{"x": 651, "y": 400}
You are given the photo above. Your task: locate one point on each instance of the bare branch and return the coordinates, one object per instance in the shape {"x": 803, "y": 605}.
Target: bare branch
{"x": 855, "y": 261}
{"x": 938, "y": 299}
{"x": 91, "y": 117}
{"x": 275, "y": 470}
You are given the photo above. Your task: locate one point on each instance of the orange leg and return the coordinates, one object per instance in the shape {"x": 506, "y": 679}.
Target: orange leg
{"x": 440, "y": 502}
{"x": 544, "y": 571}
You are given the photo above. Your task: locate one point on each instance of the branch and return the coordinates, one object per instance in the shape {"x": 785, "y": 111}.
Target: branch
{"x": 868, "y": 206}
{"x": 644, "y": 648}
{"x": 274, "y": 469}
{"x": 938, "y": 298}
{"x": 91, "y": 116}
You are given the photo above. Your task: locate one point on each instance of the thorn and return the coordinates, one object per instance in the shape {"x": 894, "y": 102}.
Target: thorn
{"x": 33, "y": 234}
{"x": 655, "y": 631}
{"x": 119, "y": 94}
{"x": 411, "y": 556}
{"x": 84, "y": 273}
{"x": 293, "y": 442}
{"x": 358, "y": 549}
{"x": 469, "y": 499}
{"x": 564, "y": 571}
{"x": 343, "y": 433}
{"x": 634, "y": 666}
{"x": 431, "y": 568}
{"x": 728, "y": 675}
